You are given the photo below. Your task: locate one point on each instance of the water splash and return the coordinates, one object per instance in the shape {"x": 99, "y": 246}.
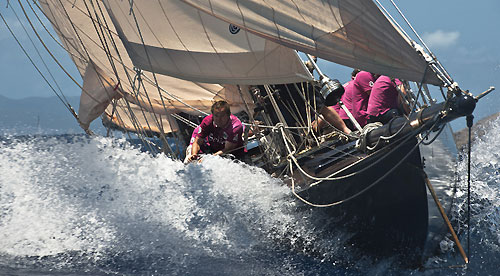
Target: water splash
{"x": 484, "y": 225}
{"x": 101, "y": 202}
{"x": 485, "y": 176}
{"x": 102, "y": 205}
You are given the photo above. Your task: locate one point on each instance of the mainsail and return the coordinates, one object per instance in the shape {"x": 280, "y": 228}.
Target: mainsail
{"x": 88, "y": 35}
{"x": 173, "y": 38}
{"x": 354, "y": 33}
{"x": 154, "y": 53}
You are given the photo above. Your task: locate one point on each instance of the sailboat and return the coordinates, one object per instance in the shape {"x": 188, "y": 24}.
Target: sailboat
{"x": 153, "y": 68}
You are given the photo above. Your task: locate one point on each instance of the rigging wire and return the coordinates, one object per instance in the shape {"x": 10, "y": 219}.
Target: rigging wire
{"x": 404, "y": 139}
{"x": 119, "y": 60}
{"x": 107, "y": 51}
{"x": 88, "y": 131}
{"x": 50, "y": 34}
{"x": 156, "y": 82}
{"x": 140, "y": 132}
{"x": 441, "y": 68}
{"x": 55, "y": 25}
{"x": 435, "y": 136}
{"x": 46, "y": 48}
{"x": 40, "y": 56}
{"x": 36, "y": 67}
{"x": 101, "y": 34}
{"x": 131, "y": 114}
{"x": 400, "y": 142}
{"x": 86, "y": 61}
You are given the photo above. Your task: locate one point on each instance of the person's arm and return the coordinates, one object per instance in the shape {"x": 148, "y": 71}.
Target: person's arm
{"x": 318, "y": 124}
{"x": 195, "y": 148}
{"x": 228, "y": 147}
{"x": 332, "y": 117}
{"x": 401, "y": 99}
{"x": 232, "y": 141}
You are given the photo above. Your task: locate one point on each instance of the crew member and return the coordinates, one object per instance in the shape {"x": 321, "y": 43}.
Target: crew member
{"x": 383, "y": 101}
{"x": 219, "y": 133}
{"x": 357, "y": 96}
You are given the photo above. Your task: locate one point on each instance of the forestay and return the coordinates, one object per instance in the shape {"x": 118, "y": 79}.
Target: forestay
{"x": 173, "y": 38}
{"x": 354, "y": 33}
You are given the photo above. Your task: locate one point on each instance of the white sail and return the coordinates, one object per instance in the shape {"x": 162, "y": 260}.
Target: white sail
{"x": 173, "y": 38}
{"x": 81, "y": 33}
{"x": 131, "y": 117}
{"x": 99, "y": 91}
{"x": 354, "y": 33}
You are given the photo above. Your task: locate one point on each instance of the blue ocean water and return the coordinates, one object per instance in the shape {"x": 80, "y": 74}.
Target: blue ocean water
{"x": 72, "y": 205}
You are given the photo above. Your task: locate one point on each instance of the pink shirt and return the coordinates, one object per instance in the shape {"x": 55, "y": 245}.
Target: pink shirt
{"x": 384, "y": 96}
{"x": 216, "y": 137}
{"x": 357, "y": 96}
{"x": 195, "y": 133}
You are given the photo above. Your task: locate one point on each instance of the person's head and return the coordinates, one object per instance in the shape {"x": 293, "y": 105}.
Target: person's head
{"x": 354, "y": 73}
{"x": 221, "y": 113}
{"x": 364, "y": 81}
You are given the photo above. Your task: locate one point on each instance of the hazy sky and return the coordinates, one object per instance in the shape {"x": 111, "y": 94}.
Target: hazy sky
{"x": 464, "y": 35}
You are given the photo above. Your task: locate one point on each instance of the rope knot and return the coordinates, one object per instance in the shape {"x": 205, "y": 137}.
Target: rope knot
{"x": 279, "y": 126}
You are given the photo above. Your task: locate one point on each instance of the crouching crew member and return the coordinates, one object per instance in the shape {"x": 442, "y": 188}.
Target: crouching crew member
{"x": 383, "y": 102}
{"x": 219, "y": 133}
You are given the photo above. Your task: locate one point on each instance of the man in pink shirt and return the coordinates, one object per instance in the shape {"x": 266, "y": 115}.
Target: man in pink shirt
{"x": 383, "y": 102}
{"x": 357, "y": 94}
{"x": 219, "y": 133}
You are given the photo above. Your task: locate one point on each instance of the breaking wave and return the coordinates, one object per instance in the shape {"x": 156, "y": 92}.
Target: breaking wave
{"x": 101, "y": 205}
{"x": 484, "y": 224}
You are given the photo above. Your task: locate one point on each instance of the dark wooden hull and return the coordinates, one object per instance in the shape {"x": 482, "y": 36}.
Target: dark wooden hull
{"x": 391, "y": 217}
{"x": 397, "y": 216}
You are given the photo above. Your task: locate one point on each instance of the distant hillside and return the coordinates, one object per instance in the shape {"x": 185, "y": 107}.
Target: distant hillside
{"x": 478, "y": 130}
{"x": 37, "y": 114}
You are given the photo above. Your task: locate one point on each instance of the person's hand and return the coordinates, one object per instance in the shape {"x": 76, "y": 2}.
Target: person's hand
{"x": 193, "y": 157}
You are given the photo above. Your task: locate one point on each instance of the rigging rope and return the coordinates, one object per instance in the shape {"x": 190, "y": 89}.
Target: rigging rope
{"x": 55, "y": 59}
{"x": 66, "y": 104}
{"x": 439, "y": 67}
{"x": 140, "y": 131}
{"x": 404, "y": 139}
{"x": 169, "y": 118}
{"x": 32, "y": 62}
{"x": 101, "y": 33}
{"x": 41, "y": 58}
{"x": 130, "y": 114}
{"x": 366, "y": 188}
